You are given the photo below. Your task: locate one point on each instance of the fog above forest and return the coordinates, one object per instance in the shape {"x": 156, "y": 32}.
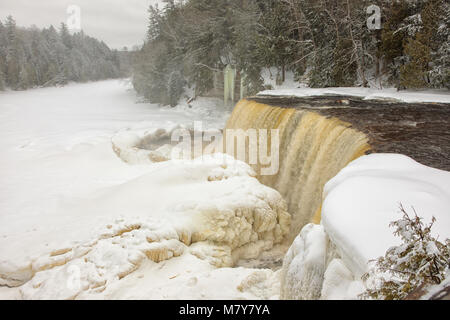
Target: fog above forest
{"x": 116, "y": 22}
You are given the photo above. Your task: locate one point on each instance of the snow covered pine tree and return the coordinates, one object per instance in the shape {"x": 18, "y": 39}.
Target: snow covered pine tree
{"x": 421, "y": 260}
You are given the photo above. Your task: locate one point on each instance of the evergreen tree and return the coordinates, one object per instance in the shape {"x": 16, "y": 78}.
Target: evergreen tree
{"x": 414, "y": 74}
{"x": 3, "y": 52}
{"x": 275, "y": 43}
{"x": 392, "y": 35}
{"x": 439, "y": 73}
{"x": 154, "y": 23}
{"x": 65, "y": 36}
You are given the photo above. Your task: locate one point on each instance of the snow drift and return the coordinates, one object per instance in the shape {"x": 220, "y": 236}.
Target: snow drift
{"x": 328, "y": 260}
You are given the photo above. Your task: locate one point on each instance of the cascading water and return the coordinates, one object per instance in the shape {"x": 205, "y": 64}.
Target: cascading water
{"x": 313, "y": 149}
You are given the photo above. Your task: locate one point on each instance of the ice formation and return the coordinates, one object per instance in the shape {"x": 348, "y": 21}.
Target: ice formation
{"x": 313, "y": 148}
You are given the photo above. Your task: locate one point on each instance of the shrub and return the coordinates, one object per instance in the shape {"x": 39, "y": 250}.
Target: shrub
{"x": 420, "y": 260}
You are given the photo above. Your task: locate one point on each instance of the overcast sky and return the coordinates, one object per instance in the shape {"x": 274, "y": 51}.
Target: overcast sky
{"x": 117, "y": 22}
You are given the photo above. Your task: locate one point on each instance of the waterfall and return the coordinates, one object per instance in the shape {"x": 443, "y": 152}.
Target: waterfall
{"x": 313, "y": 149}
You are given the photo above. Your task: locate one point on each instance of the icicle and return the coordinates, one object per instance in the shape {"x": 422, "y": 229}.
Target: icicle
{"x": 229, "y": 84}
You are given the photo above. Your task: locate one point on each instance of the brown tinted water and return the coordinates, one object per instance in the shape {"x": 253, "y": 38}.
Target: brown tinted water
{"x": 418, "y": 130}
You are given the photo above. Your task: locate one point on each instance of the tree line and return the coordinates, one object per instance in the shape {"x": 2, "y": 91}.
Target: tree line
{"x": 325, "y": 43}
{"x": 31, "y": 57}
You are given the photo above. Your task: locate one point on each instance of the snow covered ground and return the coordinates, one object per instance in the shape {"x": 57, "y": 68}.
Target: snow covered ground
{"x": 442, "y": 96}
{"x": 80, "y": 222}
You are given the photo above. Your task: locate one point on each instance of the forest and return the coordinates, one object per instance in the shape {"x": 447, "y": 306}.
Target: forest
{"x": 324, "y": 43}
{"x": 30, "y": 57}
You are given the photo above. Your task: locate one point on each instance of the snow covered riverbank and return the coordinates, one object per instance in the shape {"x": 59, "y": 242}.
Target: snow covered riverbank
{"x": 327, "y": 261}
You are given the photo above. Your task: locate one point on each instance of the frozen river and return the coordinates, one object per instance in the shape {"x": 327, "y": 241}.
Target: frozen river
{"x": 58, "y": 167}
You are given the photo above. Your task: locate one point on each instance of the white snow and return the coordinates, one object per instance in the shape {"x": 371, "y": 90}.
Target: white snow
{"x": 82, "y": 223}
{"x": 197, "y": 280}
{"x": 339, "y": 283}
{"x": 84, "y": 213}
{"x": 442, "y": 96}
{"x": 362, "y": 200}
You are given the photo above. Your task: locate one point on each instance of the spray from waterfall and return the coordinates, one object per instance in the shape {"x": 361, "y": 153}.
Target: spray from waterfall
{"x": 312, "y": 150}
